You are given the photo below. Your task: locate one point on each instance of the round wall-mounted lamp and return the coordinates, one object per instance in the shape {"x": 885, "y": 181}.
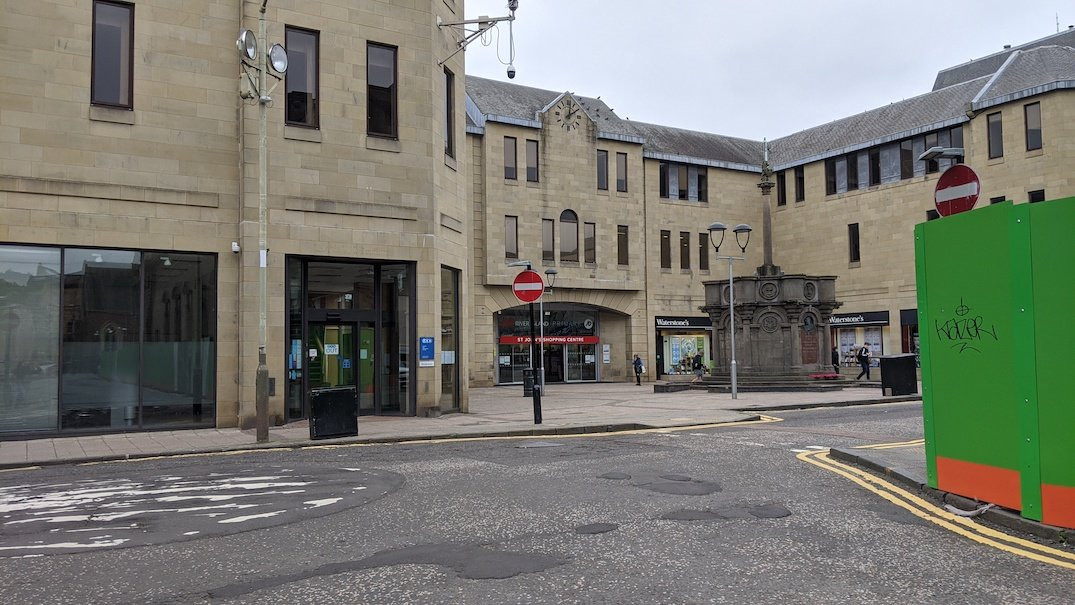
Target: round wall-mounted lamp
{"x": 278, "y": 58}
{"x": 247, "y": 44}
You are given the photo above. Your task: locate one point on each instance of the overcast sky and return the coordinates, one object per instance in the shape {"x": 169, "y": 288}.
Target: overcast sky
{"x": 750, "y": 69}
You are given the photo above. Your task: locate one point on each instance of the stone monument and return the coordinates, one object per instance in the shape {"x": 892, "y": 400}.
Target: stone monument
{"x": 781, "y": 320}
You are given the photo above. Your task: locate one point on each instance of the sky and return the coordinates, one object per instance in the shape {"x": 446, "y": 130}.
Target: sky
{"x": 750, "y": 69}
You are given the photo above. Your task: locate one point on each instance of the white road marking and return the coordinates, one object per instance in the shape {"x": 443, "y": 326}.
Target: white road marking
{"x": 102, "y": 544}
{"x": 320, "y": 503}
{"x": 191, "y": 533}
{"x": 249, "y": 517}
{"x": 816, "y": 447}
{"x": 799, "y": 451}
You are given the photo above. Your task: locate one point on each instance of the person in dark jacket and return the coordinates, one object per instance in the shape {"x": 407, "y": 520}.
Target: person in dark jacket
{"x": 638, "y": 369}
{"x": 863, "y": 357}
{"x": 835, "y": 360}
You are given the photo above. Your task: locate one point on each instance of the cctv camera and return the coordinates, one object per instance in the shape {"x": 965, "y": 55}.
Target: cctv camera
{"x": 511, "y": 72}
{"x": 235, "y": 247}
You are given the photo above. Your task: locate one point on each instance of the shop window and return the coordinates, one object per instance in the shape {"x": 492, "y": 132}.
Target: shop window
{"x": 113, "y": 52}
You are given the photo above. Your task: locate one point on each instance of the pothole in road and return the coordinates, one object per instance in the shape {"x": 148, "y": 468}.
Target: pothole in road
{"x": 678, "y": 485}
{"x": 761, "y": 511}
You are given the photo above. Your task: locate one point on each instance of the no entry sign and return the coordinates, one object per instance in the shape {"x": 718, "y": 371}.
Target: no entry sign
{"x": 957, "y": 190}
{"x": 528, "y": 286}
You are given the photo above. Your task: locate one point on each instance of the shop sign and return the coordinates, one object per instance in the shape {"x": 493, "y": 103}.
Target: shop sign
{"x": 551, "y": 340}
{"x": 573, "y": 322}
{"x": 866, "y": 318}
{"x": 682, "y": 322}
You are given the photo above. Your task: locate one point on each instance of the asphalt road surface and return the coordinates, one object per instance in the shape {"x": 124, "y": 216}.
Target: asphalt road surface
{"x": 721, "y": 515}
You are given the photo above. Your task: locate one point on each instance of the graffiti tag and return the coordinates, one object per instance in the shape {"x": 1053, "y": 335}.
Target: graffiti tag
{"x": 965, "y": 330}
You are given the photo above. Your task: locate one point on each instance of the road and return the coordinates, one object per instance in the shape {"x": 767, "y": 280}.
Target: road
{"x": 717, "y": 515}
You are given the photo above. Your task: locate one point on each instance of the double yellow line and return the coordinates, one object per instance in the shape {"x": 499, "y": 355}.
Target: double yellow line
{"x": 929, "y": 512}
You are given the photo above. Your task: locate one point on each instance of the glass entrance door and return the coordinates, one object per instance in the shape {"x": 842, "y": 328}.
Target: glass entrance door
{"x": 554, "y": 363}
{"x": 330, "y": 368}
{"x": 581, "y": 362}
{"x": 367, "y": 403}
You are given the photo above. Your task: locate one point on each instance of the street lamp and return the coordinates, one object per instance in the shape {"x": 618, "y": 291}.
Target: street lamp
{"x": 550, "y": 278}
{"x": 255, "y": 58}
{"x": 739, "y": 231}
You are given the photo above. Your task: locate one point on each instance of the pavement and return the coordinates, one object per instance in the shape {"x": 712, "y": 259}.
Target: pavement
{"x": 494, "y": 411}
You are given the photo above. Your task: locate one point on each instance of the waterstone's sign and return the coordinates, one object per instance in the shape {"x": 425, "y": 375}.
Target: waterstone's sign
{"x": 683, "y": 322}
{"x": 866, "y": 318}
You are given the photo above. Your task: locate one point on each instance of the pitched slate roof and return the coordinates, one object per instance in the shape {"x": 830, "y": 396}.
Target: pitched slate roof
{"x": 495, "y": 98}
{"x": 893, "y": 120}
{"x": 1028, "y": 69}
{"x": 700, "y": 145}
{"x": 988, "y": 65}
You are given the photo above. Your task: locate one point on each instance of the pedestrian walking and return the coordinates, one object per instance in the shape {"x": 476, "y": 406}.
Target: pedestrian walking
{"x": 835, "y": 360}
{"x": 639, "y": 368}
{"x": 698, "y": 366}
{"x": 863, "y": 357}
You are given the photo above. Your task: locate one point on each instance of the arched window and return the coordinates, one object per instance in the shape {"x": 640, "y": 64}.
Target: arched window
{"x": 569, "y": 236}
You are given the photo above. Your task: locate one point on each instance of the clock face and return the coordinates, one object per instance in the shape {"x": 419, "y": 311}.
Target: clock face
{"x": 568, "y": 114}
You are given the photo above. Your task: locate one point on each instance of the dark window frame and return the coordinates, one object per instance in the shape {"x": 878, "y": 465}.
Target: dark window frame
{"x": 800, "y": 184}
{"x": 875, "y": 166}
{"x": 316, "y": 101}
{"x": 589, "y": 243}
{"x": 684, "y": 249}
{"x": 1033, "y": 197}
{"x": 666, "y": 249}
{"x": 534, "y": 177}
{"x": 663, "y": 179}
{"x": 621, "y": 183}
{"x": 394, "y": 96}
{"x": 830, "y": 176}
{"x": 906, "y": 159}
{"x": 130, "y": 54}
{"x": 548, "y": 239}
{"x": 853, "y": 239}
{"x": 602, "y": 170}
{"x": 623, "y": 249}
{"x": 701, "y": 180}
{"x": 703, "y": 251}
{"x": 449, "y": 113}
{"x": 931, "y": 140}
{"x": 569, "y": 230}
{"x": 997, "y": 119}
{"x": 511, "y": 236}
{"x": 1026, "y": 126}
{"x": 511, "y": 171}
{"x": 852, "y": 162}
{"x": 781, "y": 189}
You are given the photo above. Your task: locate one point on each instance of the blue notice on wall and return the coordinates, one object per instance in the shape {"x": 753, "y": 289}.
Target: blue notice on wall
{"x": 346, "y": 363}
{"x": 425, "y": 351}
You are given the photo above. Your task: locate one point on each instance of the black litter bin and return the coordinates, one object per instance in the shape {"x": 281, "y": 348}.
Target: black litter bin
{"x": 333, "y": 412}
{"x": 528, "y": 382}
{"x": 898, "y": 375}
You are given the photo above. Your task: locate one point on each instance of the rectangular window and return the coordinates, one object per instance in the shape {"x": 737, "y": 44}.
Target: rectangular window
{"x": 996, "y": 135}
{"x": 300, "y": 80}
{"x": 112, "y": 73}
{"x": 381, "y": 90}
{"x": 1036, "y": 196}
{"x": 531, "y": 161}
{"x": 800, "y": 184}
{"x": 684, "y": 187}
{"x": 449, "y": 113}
{"x": 932, "y": 140}
{"x": 666, "y": 249}
{"x": 684, "y": 250}
{"x": 853, "y": 242}
{"x": 623, "y": 256}
{"x": 621, "y": 172}
{"x": 548, "y": 239}
{"x": 1032, "y": 115}
{"x": 830, "y": 176}
{"x": 602, "y": 170}
{"x": 589, "y": 242}
{"x": 875, "y": 166}
{"x": 509, "y": 158}
{"x": 511, "y": 237}
{"x": 703, "y": 250}
{"x": 781, "y": 189}
{"x": 664, "y": 179}
{"x": 852, "y": 171}
{"x": 906, "y": 159}
{"x": 703, "y": 185}
{"x": 450, "y": 335}
{"x": 997, "y": 200}
{"x": 955, "y": 139}
{"x": 569, "y": 237}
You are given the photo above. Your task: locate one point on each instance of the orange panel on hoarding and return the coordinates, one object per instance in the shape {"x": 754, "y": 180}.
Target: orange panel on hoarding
{"x": 980, "y": 481}
{"x": 1058, "y": 505}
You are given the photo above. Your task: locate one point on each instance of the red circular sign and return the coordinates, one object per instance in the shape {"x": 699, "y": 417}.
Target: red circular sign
{"x": 957, "y": 190}
{"x": 528, "y": 286}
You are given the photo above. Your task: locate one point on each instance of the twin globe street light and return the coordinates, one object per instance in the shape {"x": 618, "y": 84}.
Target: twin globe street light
{"x": 255, "y": 58}
{"x": 740, "y": 231}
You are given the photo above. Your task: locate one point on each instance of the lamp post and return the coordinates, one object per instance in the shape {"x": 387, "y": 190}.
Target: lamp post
{"x": 256, "y": 59}
{"x": 550, "y": 278}
{"x": 739, "y": 230}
